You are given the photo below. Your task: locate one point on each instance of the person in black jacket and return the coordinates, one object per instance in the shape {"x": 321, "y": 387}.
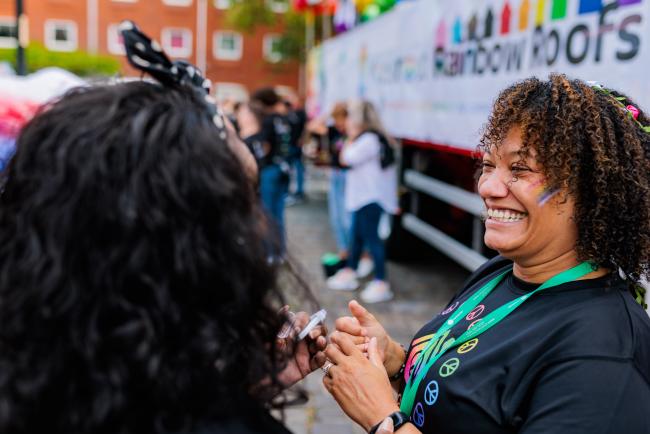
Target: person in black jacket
{"x": 136, "y": 292}
{"x": 275, "y": 134}
{"x": 550, "y": 336}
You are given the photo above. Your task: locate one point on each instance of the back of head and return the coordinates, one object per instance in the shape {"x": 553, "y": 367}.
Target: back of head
{"x": 266, "y": 96}
{"x": 590, "y": 146}
{"x": 136, "y": 296}
{"x": 340, "y": 110}
{"x": 364, "y": 116}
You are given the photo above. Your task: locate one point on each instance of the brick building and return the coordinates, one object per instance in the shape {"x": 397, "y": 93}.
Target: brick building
{"x": 194, "y": 30}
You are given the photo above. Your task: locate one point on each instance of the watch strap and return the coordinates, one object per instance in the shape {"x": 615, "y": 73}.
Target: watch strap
{"x": 399, "y": 420}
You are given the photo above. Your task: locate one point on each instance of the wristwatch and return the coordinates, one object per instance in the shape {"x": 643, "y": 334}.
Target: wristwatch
{"x": 399, "y": 420}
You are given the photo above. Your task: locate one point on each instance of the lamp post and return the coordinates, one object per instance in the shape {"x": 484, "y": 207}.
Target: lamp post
{"x": 21, "y": 68}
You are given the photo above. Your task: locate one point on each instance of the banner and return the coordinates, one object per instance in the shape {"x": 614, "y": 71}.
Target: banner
{"x": 434, "y": 67}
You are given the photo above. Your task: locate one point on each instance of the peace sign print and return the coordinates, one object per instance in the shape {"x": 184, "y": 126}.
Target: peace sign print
{"x": 418, "y": 415}
{"x": 449, "y": 367}
{"x": 450, "y": 309}
{"x": 431, "y": 393}
{"x": 475, "y": 313}
{"x": 468, "y": 346}
{"x": 474, "y": 323}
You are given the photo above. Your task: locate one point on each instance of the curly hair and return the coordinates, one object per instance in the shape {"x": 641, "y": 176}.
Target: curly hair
{"x": 589, "y": 146}
{"x": 135, "y": 290}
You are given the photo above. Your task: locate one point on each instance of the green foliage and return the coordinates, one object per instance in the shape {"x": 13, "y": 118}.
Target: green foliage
{"x": 78, "y": 62}
{"x": 292, "y": 41}
{"x": 246, "y": 15}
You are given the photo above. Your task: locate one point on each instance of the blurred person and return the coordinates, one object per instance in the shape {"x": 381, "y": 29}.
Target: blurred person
{"x": 249, "y": 118}
{"x": 275, "y": 174}
{"x": 549, "y": 336}
{"x": 136, "y": 292}
{"x": 370, "y": 190}
{"x": 332, "y": 138}
{"x": 297, "y": 117}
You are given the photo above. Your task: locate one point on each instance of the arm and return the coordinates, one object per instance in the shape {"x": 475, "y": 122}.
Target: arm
{"x": 363, "y": 148}
{"x": 607, "y": 396}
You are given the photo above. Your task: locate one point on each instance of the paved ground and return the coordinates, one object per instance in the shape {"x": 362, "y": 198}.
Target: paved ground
{"x": 422, "y": 289}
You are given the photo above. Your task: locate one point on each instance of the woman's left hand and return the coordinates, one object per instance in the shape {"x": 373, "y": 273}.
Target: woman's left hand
{"x": 307, "y": 353}
{"x": 360, "y": 385}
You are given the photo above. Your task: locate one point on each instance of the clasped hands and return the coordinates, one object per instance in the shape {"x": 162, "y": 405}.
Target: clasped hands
{"x": 357, "y": 361}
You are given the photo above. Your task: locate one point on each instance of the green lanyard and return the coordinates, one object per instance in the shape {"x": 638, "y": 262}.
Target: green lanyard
{"x": 408, "y": 397}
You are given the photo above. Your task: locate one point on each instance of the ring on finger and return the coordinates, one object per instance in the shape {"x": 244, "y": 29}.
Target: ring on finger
{"x": 326, "y": 367}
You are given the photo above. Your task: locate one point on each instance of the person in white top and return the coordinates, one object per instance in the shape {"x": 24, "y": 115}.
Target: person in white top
{"x": 371, "y": 190}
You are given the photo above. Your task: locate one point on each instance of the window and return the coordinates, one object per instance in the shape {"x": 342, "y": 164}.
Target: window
{"x": 278, "y": 6}
{"x": 177, "y": 42}
{"x": 61, "y": 35}
{"x": 271, "y": 48}
{"x": 114, "y": 40}
{"x": 222, "y": 4}
{"x": 230, "y": 91}
{"x": 7, "y": 32}
{"x": 177, "y": 2}
{"x": 227, "y": 45}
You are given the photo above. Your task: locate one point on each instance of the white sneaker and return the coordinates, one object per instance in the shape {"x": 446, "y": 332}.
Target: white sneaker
{"x": 376, "y": 291}
{"x": 364, "y": 268}
{"x": 343, "y": 280}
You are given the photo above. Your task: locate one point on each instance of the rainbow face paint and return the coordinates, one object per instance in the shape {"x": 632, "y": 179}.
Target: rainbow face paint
{"x": 543, "y": 192}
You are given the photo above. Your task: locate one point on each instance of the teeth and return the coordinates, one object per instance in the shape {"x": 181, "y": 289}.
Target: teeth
{"x": 505, "y": 215}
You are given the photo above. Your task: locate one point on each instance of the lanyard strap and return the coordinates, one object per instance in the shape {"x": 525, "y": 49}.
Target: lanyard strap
{"x": 412, "y": 384}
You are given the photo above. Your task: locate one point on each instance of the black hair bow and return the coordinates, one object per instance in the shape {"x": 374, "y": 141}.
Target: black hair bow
{"x": 147, "y": 55}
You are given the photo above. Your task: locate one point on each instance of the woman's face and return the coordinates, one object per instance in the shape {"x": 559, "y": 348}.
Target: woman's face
{"x": 526, "y": 222}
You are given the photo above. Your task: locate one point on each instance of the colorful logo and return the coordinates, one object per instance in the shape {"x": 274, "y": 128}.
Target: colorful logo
{"x": 469, "y": 45}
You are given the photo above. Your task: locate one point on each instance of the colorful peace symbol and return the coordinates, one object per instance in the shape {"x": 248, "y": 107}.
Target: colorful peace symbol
{"x": 418, "y": 415}
{"x": 468, "y": 346}
{"x": 474, "y": 323}
{"x": 431, "y": 393}
{"x": 475, "y": 313}
{"x": 450, "y": 309}
{"x": 449, "y": 367}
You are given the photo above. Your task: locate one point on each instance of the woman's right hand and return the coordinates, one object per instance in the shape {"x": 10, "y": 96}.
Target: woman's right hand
{"x": 363, "y": 323}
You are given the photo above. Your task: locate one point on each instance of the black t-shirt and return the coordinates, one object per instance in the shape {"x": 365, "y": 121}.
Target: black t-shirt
{"x": 276, "y": 131}
{"x": 255, "y": 144}
{"x": 572, "y": 359}
{"x": 297, "y": 120}
{"x": 335, "y": 140}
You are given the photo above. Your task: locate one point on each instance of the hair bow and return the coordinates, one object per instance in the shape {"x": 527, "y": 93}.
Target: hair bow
{"x": 147, "y": 55}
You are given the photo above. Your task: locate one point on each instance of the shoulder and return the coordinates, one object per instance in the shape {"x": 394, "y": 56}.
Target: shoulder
{"x": 595, "y": 318}
{"x": 367, "y": 139}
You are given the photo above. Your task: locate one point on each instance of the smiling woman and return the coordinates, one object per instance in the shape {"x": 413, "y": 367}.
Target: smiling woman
{"x": 527, "y": 222}
{"x": 525, "y": 345}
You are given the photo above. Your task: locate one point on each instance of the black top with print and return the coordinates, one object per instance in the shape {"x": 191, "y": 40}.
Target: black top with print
{"x": 276, "y": 132}
{"x": 574, "y": 358}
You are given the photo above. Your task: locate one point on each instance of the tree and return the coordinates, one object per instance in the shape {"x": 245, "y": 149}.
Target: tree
{"x": 248, "y": 15}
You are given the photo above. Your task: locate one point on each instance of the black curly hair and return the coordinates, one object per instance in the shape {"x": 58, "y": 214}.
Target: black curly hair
{"x": 589, "y": 145}
{"x": 135, "y": 291}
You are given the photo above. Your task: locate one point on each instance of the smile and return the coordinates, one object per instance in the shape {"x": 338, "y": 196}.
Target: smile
{"x": 505, "y": 215}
